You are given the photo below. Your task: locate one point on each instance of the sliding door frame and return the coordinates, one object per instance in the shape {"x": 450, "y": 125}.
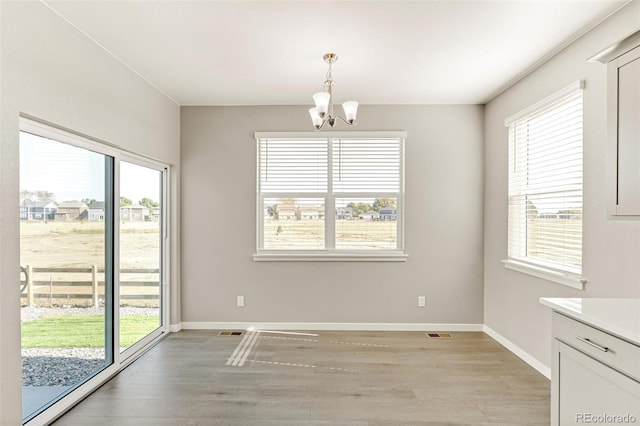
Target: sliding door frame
{"x": 132, "y": 350}
{"x": 120, "y": 360}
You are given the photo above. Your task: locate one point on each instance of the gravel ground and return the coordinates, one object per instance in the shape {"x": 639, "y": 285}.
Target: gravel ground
{"x": 59, "y": 367}
{"x": 64, "y": 367}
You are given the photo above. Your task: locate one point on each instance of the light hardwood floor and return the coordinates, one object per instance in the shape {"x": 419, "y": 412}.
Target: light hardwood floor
{"x": 334, "y": 378}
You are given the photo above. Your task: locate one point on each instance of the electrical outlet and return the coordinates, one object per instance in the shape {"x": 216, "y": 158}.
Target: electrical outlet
{"x": 240, "y": 301}
{"x": 422, "y": 302}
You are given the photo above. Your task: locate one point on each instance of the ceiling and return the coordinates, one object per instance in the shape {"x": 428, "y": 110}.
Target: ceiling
{"x": 390, "y": 52}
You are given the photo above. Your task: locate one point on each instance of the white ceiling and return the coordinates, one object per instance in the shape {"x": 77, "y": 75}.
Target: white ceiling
{"x": 390, "y": 52}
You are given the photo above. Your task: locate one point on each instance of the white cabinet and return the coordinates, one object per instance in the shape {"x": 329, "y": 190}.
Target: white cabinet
{"x": 623, "y": 125}
{"x": 623, "y": 108}
{"x": 595, "y": 376}
{"x": 590, "y": 389}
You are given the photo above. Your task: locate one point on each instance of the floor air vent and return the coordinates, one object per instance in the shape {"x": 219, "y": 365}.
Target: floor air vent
{"x": 439, "y": 335}
{"x": 231, "y": 333}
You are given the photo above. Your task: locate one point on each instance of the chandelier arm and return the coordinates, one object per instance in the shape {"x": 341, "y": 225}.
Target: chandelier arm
{"x": 345, "y": 121}
{"x": 324, "y": 120}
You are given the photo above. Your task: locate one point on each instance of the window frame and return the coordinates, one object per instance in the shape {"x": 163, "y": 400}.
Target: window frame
{"x": 330, "y": 253}
{"x": 120, "y": 360}
{"x": 566, "y": 276}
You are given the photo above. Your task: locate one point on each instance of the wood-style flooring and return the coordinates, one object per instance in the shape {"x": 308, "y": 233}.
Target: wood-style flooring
{"x": 330, "y": 378}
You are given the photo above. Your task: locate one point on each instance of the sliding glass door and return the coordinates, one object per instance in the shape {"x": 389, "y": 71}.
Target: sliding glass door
{"x": 93, "y": 238}
{"x": 141, "y": 237}
{"x": 66, "y": 259}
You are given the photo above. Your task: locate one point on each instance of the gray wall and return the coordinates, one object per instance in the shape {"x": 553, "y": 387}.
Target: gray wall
{"x": 611, "y": 247}
{"x": 51, "y": 71}
{"x": 444, "y": 195}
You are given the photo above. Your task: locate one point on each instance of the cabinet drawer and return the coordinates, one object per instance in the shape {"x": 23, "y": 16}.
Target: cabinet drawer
{"x": 619, "y": 354}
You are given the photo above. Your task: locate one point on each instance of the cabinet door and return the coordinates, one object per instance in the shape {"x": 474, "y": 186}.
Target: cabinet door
{"x": 624, "y": 77}
{"x": 588, "y": 391}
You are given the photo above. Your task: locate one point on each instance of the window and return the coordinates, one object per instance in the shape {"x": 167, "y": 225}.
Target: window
{"x": 337, "y": 197}
{"x": 545, "y": 188}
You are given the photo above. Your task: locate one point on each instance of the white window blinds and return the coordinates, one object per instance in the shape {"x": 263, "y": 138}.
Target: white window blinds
{"x": 363, "y": 165}
{"x": 545, "y": 183}
{"x": 293, "y": 165}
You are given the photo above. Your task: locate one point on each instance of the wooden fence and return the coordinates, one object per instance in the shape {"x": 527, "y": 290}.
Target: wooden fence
{"x": 32, "y": 289}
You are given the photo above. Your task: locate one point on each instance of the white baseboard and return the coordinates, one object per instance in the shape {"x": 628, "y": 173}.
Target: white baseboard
{"x": 174, "y": 328}
{"x": 330, "y": 326}
{"x": 518, "y": 351}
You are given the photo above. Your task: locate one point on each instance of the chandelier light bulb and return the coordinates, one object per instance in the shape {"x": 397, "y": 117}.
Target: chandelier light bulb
{"x": 315, "y": 118}
{"x": 322, "y": 102}
{"x": 350, "y": 110}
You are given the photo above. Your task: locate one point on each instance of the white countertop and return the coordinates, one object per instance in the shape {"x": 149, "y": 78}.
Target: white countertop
{"x": 616, "y": 316}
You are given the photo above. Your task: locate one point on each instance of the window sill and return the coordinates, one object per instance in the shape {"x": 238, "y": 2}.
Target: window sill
{"x": 330, "y": 257}
{"x": 564, "y": 278}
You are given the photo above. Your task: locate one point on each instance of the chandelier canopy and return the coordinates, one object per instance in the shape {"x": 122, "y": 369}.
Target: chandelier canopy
{"x": 323, "y": 111}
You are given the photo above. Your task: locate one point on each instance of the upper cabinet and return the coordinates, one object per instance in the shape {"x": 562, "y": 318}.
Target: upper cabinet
{"x": 624, "y": 136}
{"x": 623, "y": 118}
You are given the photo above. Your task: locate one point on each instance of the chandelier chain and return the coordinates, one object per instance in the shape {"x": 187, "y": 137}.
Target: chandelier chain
{"x": 329, "y": 77}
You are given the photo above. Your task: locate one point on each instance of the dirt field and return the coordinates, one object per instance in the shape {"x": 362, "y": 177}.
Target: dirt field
{"x": 81, "y": 245}
{"x": 350, "y": 234}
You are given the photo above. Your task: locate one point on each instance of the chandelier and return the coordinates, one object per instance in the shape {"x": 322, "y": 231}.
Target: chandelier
{"x": 323, "y": 111}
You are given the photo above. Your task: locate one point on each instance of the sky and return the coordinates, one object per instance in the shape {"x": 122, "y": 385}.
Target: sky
{"x": 73, "y": 173}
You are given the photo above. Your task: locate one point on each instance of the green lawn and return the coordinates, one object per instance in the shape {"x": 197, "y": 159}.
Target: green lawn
{"x": 86, "y": 331}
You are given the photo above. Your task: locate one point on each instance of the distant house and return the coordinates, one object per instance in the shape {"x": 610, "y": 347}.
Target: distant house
{"x": 344, "y": 213}
{"x": 370, "y": 215}
{"x": 133, "y": 212}
{"x": 96, "y": 211}
{"x": 71, "y": 210}
{"x": 37, "y": 210}
{"x": 546, "y": 216}
{"x": 388, "y": 213}
{"x": 155, "y": 214}
{"x": 286, "y": 212}
{"x": 311, "y": 212}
